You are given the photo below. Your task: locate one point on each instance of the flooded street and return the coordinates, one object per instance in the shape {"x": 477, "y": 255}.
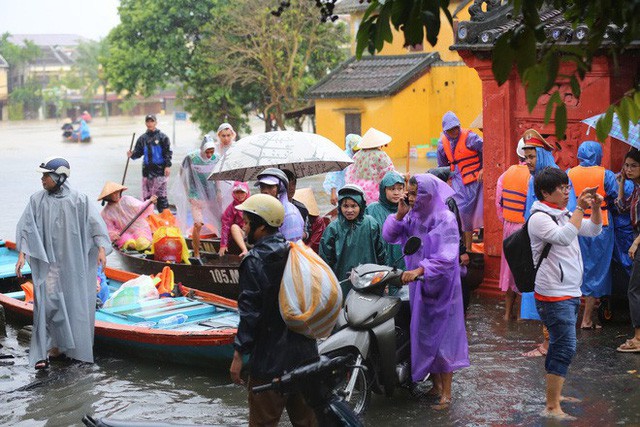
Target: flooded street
{"x": 500, "y": 388}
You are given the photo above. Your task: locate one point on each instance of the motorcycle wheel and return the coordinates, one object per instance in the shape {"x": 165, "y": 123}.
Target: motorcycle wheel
{"x": 361, "y": 394}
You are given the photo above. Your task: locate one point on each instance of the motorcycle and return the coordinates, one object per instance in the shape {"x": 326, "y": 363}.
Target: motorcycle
{"x": 367, "y": 330}
{"x": 318, "y": 383}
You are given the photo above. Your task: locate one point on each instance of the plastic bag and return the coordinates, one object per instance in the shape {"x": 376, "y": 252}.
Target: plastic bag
{"x": 142, "y": 288}
{"x": 310, "y": 296}
{"x": 169, "y": 245}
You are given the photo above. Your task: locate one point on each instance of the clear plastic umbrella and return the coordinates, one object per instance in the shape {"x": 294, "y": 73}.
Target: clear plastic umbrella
{"x": 303, "y": 153}
{"x": 632, "y": 139}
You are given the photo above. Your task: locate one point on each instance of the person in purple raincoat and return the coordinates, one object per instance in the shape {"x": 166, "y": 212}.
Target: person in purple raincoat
{"x": 438, "y": 337}
{"x": 465, "y": 160}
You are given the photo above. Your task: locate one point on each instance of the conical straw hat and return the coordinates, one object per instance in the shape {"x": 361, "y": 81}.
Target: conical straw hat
{"x": 305, "y": 196}
{"x": 109, "y": 188}
{"x": 374, "y": 139}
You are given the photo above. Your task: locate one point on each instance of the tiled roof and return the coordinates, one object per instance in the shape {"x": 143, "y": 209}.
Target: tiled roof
{"x": 345, "y": 7}
{"x": 50, "y": 55}
{"x": 373, "y": 76}
{"x": 486, "y": 26}
{"x": 48, "y": 39}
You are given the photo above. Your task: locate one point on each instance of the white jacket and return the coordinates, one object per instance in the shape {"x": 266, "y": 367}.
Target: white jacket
{"x": 560, "y": 274}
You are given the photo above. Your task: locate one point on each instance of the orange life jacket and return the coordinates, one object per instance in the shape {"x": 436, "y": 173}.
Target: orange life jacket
{"x": 582, "y": 177}
{"x": 468, "y": 160}
{"x": 514, "y": 193}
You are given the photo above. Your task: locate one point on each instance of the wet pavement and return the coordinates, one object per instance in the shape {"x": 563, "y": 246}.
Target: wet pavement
{"x": 500, "y": 388}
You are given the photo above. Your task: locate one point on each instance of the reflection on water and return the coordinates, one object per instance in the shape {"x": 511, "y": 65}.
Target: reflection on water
{"x": 500, "y": 387}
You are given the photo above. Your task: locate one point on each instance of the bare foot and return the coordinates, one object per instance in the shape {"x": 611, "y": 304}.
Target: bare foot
{"x": 570, "y": 399}
{"x": 536, "y": 352}
{"x": 443, "y": 404}
{"x": 433, "y": 392}
{"x": 558, "y": 415}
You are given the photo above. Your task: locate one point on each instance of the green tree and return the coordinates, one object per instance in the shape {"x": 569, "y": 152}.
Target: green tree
{"x": 23, "y": 95}
{"x": 524, "y": 47}
{"x": 227, "y": 57}
{"x": 88, "y": 73}
{"x": 279, "y": 58}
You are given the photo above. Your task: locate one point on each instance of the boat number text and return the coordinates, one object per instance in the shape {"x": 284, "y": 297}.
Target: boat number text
{"x": 224, "y": 276}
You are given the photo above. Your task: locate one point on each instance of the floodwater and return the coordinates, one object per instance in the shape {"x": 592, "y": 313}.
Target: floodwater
{"x": 500, "y": 388}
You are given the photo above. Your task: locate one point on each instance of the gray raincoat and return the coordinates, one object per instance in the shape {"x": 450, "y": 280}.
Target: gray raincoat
{"x": 60, "y": 234}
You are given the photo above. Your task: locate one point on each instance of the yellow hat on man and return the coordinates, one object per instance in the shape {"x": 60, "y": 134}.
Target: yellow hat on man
{"x": 109, "y": 188}
{"x": 374, "y": 138}
{"x": 266, "y": 207}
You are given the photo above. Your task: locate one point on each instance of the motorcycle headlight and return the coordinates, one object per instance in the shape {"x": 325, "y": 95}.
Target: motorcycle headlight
{"x": 371, "y": 278}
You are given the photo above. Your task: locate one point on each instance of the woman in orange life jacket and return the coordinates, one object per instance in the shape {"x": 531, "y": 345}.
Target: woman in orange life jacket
{"x": 597, "y": 252}
{"x": 511, "y": 196}
{"x": 461, "y": 150}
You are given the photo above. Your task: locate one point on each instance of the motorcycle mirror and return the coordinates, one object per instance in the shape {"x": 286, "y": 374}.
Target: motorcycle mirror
{"x": 412, "y": 245}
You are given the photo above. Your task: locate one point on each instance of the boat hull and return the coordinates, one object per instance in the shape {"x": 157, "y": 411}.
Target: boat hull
{"x": 197, "y": 348}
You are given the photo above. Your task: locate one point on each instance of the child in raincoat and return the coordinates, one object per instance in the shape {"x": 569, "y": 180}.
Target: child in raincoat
{"x": 232, "y": 221}
{"x": 353, "y": 239}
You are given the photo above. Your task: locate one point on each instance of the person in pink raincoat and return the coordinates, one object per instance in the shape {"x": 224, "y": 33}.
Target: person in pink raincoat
{"x": 370, "y": 164}
{"x": 438, "y": 336}
{"x": 121, "y": 209}
{"x": 232, "y": 221}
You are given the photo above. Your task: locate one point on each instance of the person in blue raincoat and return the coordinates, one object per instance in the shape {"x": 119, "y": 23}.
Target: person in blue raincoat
{"x": 596, "y": 251}
{"x": 353, "y": 239}
{"x": 82, "y": 132}
{"x": 623, "y": 230}
{"x": 391, "y": 191}
{"x": 538, "y": 155}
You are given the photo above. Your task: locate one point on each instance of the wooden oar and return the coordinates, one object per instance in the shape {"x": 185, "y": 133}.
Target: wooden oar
{"x": 128, "y": 158}
{"x": 144, "y": 208}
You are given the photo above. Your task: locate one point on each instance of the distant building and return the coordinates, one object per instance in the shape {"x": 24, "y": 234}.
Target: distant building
{"x": 402, "y": 91}
{"x": 58, "y": 55}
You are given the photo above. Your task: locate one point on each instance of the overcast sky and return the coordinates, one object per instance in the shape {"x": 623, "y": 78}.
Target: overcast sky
{"x": 89, "y": 18}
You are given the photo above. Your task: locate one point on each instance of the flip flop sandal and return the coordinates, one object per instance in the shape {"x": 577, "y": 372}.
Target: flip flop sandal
{"x": 42, "y": 364}
{"x": 536, "y": 352}
{"x": 630, "y": 346}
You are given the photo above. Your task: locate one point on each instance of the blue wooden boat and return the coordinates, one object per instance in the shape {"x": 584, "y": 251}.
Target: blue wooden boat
{"x": 204, "y": 338}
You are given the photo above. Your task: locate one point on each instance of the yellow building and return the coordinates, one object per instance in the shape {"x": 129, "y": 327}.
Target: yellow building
{"x": 4, "y": 88}
{"x": 403, "y": 92}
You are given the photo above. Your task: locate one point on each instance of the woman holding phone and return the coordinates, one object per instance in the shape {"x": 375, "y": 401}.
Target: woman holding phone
{"x": 631, "y": 171}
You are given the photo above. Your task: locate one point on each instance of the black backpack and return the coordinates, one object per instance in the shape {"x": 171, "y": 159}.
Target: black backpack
{"x": 517, "y": 251}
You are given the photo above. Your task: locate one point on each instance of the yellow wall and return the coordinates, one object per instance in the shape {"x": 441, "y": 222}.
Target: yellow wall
{"x": 445, "y": 37}
{"x": 414, "y": 115}
{"x": 4, "y": 89}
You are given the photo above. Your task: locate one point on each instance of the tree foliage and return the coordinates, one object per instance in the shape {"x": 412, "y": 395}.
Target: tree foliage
{"x": 227, "y": 57}
{"x": 525, "y": 47}
{"x": 15, "y": 55}
{"x": 87, "y": 72}
{"x": 279, "y": 57}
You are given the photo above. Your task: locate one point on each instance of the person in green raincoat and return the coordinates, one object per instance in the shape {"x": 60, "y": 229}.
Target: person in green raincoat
{"x": 391, "y": 191}
{"x": 354, "y": 238}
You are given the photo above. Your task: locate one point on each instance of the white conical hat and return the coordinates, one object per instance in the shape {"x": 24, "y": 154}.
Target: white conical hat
{"x": 374, "y": 139}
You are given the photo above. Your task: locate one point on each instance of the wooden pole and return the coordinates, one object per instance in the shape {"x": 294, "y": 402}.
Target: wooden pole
{"x": 144, "y": 208}
{"x": 128, "y": 158}
{"x": 408, "y": 155}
